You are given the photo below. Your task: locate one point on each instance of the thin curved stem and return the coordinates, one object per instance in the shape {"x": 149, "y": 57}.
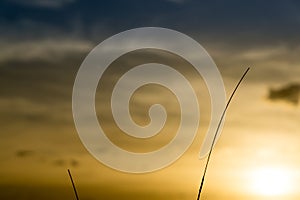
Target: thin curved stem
{"x": 217, "y": 130}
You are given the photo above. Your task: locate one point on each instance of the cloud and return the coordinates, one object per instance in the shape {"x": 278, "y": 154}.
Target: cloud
{"x": 264, "y": 53}
{"x": 43, "y": 49}
{"x": 66, "y": 162}
{"x": 44, "y": 3}
{"x": 289, "y": 93}
{"x": 24, "y": 153}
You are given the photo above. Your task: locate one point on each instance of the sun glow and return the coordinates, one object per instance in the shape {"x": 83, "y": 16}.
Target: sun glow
{"x": 271, "y": 181}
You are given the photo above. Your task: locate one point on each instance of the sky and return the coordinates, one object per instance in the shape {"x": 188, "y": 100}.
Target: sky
{"x": 42, "y": 46}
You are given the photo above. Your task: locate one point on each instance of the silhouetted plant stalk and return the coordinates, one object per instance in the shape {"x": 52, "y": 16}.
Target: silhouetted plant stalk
{"x": 217, "y": 130}
{"x": 73, "y": 184}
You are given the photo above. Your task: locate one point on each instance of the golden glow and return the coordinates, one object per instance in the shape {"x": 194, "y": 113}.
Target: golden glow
{"x": 271, "y": 181}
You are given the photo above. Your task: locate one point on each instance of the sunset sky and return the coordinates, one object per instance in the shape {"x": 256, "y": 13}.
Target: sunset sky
{"x": 44, "y": 42}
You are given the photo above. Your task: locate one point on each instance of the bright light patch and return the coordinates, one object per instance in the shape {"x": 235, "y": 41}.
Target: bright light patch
{"x": 271, "y": 181}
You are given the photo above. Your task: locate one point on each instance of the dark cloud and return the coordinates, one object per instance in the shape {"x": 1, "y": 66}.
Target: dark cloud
{"x": 74, "y": 163}
{"x": 37, "y": 91}
{"x": 289, "y": 93}
{"x": 66, "y": 162}
{"x": 259, "y": 21}
{"x": 24, "y": 153}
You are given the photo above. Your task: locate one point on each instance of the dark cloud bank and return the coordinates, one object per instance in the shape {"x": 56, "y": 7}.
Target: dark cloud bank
{"x": 289, "y": 93}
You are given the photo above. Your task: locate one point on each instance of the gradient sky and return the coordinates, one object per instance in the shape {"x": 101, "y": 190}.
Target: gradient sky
{"x": 42, "y": 45}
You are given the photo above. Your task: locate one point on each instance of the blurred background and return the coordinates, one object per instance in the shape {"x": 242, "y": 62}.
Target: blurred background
{"x": 42, "y": 45}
